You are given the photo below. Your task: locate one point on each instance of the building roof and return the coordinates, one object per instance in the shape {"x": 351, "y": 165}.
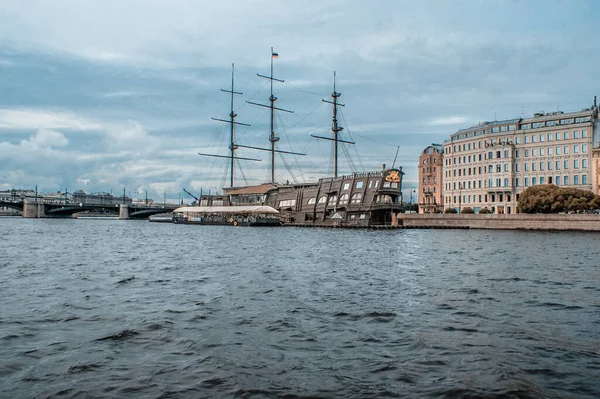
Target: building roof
{"x": 261, "y": 189}
{"x": 251, "y": 209}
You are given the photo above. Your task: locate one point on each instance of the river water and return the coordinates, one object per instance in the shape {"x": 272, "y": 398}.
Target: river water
{"x": 113, "y": 309}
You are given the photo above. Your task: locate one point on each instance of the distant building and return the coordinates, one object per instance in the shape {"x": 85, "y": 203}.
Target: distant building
{"x": 489, "y": 165}
{"x": 81, "y": 197}
{"x": 431, "y": 179}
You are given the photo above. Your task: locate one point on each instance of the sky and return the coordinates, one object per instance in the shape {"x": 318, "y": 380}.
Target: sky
{"x": 107, "y": 96}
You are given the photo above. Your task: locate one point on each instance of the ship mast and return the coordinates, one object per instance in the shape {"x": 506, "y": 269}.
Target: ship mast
{"x": 272, "y": 137}
{"x": 335, "y": 128}
{"x": 232, "y": 146}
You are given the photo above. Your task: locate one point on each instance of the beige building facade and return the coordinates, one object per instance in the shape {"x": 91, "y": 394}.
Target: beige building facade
{"x": 489, "y": 165}
{"x": 431, "y": 179}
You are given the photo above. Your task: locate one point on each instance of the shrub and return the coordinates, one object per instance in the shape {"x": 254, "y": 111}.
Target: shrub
{"x": 485, "y": 210}
{"x": 548, "y": 198}
{"x": 467, "y": 209}
{"x": 450, "y": 210}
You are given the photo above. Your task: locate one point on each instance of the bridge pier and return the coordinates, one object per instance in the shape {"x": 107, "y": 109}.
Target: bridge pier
{"x": 34, "y": 209}
{"x": 124, "y": 211}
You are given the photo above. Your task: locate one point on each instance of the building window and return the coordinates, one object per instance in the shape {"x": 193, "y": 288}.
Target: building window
{"x": 584, "y": 148}
{"x": 517, "y": 182}
{"x": 541, "y": 138}
{"x": 549, "y": 165}
{"x": 542, "y": 180}
{"x": 557, "y": 136}
{"x": 533, "y": 139}
{"x": 565, "y": 180}
{"x": 541, "y": 166}
{"x": 576, "y": 164}
{"x": 566, "y": 164}
{"x": 566, "y": 136}
{"x": 526, "y": 139}
{"x": 542, "y": 152}
{"x": 557, "y": 181}
{"x": 533, "y": 166}
{"x": 526, "y": 167}
{"x": 549, "y": 150}
{"x": 576, "y": 179}
{"x": 583, "y": 179}
{"x": 549, "y": 136}
{"x": 533, "y": 181}
{"x": 527, "y": 182}
{"x": 575, "y": 136}
{"x": 517, "y": 140}
{"x": 576, "y": 149}
{"x": 584, "y": 163}
{"x": 583, "y": 135}
{"x": 506, "y": 182}
{"x": 566, "y": 149}
{"x": 517, "y": 168}
{"x": 526, "y": 153}
{"x": 557, "y": 165}
{"x": 557, "y": 150}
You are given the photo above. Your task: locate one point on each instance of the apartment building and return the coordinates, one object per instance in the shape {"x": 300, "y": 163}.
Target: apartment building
{"x": 489, "y": 165}
{"x": 430, "y": 179}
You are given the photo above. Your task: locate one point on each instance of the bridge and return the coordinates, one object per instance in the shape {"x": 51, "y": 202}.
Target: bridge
{"x": 41, "y": 208}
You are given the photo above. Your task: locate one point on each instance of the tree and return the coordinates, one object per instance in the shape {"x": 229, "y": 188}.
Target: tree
{"x": 485, "y": 210}
{"x": 467, "y": 209}
{"x": 450, "y": 210}
{"x": 548, "y": 198}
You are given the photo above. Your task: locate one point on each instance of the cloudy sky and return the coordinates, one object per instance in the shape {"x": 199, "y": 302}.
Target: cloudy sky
{"x": 113, "y": 94}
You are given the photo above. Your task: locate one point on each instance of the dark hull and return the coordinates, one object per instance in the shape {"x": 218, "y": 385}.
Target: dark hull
{"x": 246, "y": 222}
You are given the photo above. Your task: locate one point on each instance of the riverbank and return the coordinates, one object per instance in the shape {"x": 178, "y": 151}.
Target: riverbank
{"x": 558, "y": 222}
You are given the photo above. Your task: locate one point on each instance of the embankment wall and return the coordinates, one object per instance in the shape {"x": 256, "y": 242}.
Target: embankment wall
{"x": 508, "y": 222}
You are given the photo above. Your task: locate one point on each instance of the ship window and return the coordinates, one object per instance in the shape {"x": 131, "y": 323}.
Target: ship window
{"x": 356, "y": 198}
{"x": 323, "y": 199}
{"x": 370, "y": 183}
{"x": 386, "y": 184}
{"x": 344, "y": 199}
{"x": 376, "y": 183}
{"x": 312, "y": 200}
{"x": 286, "y": 203}
{"x": 359, "y": 184}
{"x": 333, "y": 199}
{"x": 346, "y": 186}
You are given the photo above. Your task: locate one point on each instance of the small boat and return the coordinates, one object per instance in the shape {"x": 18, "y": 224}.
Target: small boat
{"x": 254, "y": 215}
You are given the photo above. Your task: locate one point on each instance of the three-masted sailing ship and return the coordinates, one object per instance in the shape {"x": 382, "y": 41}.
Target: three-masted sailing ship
{"x": 354, "y": 200}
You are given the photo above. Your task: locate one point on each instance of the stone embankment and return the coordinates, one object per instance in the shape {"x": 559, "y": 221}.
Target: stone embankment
{"x": 587, "y": 222}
